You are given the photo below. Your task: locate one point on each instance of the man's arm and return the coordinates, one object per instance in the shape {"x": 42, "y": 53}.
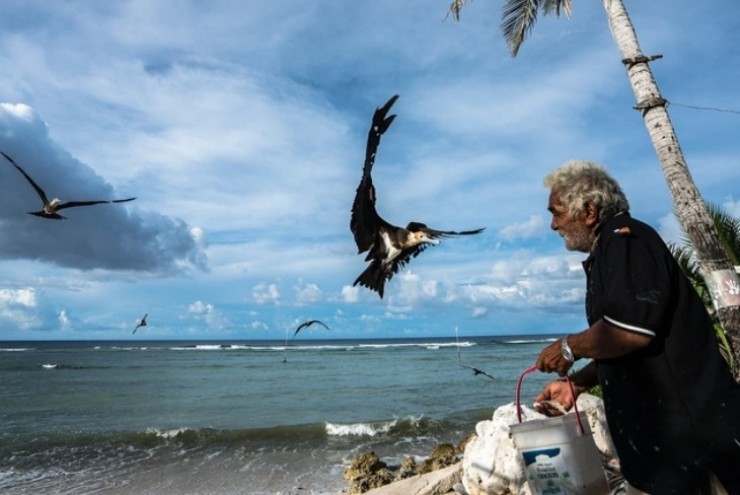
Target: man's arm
{"x": 602, "y": 340}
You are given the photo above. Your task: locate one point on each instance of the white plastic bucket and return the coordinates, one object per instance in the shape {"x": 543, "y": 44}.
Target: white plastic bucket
{"x": 559, "y": 453}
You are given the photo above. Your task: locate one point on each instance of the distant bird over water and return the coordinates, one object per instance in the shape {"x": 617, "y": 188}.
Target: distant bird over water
{"x": 50, "y": 207}
{"x": 477, "y": 372}
{"x": 308, "y": 323}
{"x": 303, "y": 325}
{"x": 142, "y": 323}
{"x": 389, "y": 247}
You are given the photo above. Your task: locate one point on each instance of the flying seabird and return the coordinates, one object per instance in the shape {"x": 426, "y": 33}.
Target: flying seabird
{"x": 389, "y": 247}
{"x": 303, "y": 325}
{"x": 50, "y": 207}
{"x": 308, "y": 324}
{"x": 477, "y": 372}
{"x": 142, "y": 323}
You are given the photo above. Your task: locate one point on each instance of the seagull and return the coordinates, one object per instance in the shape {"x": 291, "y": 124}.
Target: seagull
{"x": 50, "y": 207}
{"x": 389, "y": 247}
{"x": 142, "y": 323}
{"x": 308, "y": 324}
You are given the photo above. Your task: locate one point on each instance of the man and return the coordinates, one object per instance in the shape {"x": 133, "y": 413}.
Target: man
{"x": 671, "y": 403}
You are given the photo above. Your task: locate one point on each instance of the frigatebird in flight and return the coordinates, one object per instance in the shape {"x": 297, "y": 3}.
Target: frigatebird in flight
{"x": 389, "y": 247}
{"x": 303, "y": 325}
{"x": 308, "y": 324}
{"x": 51, "y": 207}
{"x": 142, "y": 323}
{"x": 477, "y": 371}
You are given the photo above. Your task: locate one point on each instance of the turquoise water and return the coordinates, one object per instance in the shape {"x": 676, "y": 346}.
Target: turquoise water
{"x": 240, "y": 417}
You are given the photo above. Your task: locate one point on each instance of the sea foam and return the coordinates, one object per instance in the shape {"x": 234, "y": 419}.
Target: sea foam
{"x": 358, "y": 429}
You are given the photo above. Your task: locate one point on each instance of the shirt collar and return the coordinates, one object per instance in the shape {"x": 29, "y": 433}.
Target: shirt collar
{"x": 608, "y": 227}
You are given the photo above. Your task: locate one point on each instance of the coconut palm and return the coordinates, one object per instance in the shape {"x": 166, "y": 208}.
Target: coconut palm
{"x": 713, "y": 262}
{"x": 728, "y": 228}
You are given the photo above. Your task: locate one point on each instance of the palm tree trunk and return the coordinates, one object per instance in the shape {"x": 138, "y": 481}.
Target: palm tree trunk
{"x": 712, "y": 260}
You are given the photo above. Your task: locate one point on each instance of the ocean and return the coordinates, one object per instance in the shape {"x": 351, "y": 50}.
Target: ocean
{"x": 241, "y": 417}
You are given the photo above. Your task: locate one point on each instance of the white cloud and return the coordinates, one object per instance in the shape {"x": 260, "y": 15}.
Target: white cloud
{"x": 479, "y": 311}
{"x": 266, "y": 293}
{"x": 258, "y": 325}
{"x": 534, "y": 226}
{"x": 19, "y": 110}
{"x": 199, "y": 308}
{"x": 411, "y": 289}
{"x": 18, "y": 308}
{"x": 350, "y": 294}
{"x": 207, "y": 313}
{"x": 18, "y": 297}
{"x": 64, "y": 321}
{"x": 307, "y": 293}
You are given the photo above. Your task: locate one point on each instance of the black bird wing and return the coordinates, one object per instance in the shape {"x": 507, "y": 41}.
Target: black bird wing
{"x": 39, "y": 191}
{"x": 308, "y": 324}
{"x": 400, "y": 261}
{"x": 476, "y": 371}
{"x": 414, "y": 251}
{"x": 72, "y": 204}
{"x": 142, "y": 323}
{"x": 365, "y": 220}
{"x": 375, "y": 276}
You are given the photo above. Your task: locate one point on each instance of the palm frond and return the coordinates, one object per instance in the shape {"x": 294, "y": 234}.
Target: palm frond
{"x": 455, "y": 8}
{"x": 518, "y": 18}
{"x": 728, "y": 228}
{"x": 724, "y": 344}
{"x": 557, "y": 6}
{"x": 684, "y": 255}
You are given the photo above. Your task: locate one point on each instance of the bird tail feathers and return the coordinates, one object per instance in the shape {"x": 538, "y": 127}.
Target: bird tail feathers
{"x": 373, "y": 278}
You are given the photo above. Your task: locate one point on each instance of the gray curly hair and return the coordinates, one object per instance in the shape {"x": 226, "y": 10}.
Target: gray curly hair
{"x": 579, "y": 182}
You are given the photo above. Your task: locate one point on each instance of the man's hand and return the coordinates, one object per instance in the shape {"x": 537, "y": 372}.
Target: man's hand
{"x": 554, "y": 394}
{"x": 551, "y": 359}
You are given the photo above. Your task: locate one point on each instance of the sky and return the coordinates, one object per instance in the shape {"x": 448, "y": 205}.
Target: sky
{"x": 240, "y": 127}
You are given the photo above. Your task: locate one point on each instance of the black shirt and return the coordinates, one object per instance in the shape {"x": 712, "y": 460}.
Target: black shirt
{"x": 668, "y": 403}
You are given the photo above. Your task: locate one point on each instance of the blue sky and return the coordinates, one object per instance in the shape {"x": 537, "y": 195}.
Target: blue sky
{"x": 240, "y": 127}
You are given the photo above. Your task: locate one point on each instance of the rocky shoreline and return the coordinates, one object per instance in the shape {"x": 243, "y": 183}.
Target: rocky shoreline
{"x": 368, "y": 474}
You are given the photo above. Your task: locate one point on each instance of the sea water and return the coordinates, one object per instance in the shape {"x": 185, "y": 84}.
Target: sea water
{"x": 240, "y": 417}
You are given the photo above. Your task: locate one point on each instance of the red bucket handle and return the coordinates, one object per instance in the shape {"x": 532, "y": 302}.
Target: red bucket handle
{"x": 518, "y": 397}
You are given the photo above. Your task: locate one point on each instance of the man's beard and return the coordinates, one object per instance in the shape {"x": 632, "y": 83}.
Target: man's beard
{"x": 582, "y": 240}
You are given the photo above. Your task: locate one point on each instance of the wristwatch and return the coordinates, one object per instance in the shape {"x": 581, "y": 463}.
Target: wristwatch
{"x": 566, "y": 351}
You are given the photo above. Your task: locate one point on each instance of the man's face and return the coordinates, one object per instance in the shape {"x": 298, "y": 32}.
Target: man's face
{"x": 577, "y": 230}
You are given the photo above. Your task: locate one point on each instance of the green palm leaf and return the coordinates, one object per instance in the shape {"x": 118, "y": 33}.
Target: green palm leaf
{"x": 556, "y": 5}
{"x": 729, "y": 232}
{"x": 518, "y": 19}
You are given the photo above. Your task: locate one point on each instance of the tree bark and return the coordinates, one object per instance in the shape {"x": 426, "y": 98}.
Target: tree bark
{"x": 713, "y": 262}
